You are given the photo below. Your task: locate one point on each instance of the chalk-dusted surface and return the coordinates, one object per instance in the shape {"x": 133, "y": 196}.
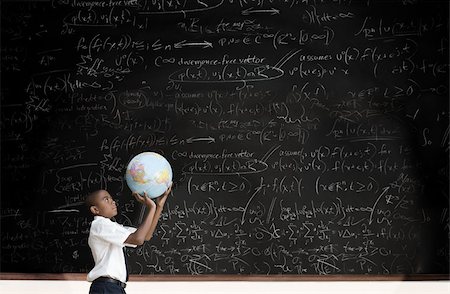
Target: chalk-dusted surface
{"x": 305, "y": 137}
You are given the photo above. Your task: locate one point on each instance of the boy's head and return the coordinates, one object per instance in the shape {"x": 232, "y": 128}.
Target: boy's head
{"x": 101, "y": 203}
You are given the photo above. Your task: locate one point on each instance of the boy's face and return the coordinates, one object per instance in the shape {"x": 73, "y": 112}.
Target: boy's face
{"x": 104, "y": 205}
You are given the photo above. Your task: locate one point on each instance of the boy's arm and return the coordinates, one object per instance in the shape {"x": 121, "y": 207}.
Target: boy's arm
{"x": 160, "y": 201}
{"x": 140, "y": 235}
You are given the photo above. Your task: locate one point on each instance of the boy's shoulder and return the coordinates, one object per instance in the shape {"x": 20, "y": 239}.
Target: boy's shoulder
{"x": 101, "y": 221}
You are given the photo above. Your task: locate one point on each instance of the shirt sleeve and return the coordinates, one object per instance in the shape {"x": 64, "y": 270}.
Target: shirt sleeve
{"x": 112, "y": 232}
{"x": 130, "y": 230}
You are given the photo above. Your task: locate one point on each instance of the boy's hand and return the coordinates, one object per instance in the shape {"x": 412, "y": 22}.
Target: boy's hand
{"x": 162, "y": 199}
{"x": 144, "y": 199}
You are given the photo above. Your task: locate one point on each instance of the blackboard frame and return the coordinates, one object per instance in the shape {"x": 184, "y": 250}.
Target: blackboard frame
{"x": 225, "y": 278}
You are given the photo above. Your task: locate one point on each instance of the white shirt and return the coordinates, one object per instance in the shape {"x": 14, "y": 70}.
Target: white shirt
{"x": 107, "y": 239}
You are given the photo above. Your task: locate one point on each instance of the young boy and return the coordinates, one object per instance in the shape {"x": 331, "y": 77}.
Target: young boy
{"x": 107, "y": 239}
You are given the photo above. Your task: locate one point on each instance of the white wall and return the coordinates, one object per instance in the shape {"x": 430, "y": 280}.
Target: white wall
{"x": 156, "y": 287}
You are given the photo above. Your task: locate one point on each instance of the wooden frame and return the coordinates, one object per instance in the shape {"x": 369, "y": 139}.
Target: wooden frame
{"x": 249, "y": 278}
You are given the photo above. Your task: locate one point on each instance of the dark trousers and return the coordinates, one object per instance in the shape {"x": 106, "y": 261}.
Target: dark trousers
{"x": 102, "y": 287}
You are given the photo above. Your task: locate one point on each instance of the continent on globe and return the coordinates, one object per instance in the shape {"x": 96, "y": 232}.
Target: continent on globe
{"x": 137, "y": 172}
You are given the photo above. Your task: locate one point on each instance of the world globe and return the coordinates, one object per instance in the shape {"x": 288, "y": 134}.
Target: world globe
{"x": 149, "y": 173}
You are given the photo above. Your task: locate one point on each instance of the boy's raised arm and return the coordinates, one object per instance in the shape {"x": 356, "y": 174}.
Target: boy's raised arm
{"x": 140, "y": 235}
{"x": 160, "y": 201}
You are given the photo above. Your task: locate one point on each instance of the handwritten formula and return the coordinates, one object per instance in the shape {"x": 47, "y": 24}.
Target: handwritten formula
{"x": 306, "y": 137}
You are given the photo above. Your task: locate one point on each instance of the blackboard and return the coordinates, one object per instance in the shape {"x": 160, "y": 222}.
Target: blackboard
{"x": 306, "y": 137}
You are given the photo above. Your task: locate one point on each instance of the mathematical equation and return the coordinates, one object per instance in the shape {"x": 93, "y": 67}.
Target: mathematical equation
{"x": 305, "y": 137}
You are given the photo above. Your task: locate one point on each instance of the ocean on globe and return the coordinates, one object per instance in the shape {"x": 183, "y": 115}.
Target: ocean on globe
{"x": 149, "y": 172}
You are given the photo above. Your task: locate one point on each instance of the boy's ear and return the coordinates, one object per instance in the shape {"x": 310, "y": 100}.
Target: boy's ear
{"x": 94, "y": 209}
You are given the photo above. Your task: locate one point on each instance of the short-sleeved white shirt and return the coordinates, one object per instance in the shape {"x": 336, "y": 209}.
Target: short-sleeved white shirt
{"x": 106, "y": 240}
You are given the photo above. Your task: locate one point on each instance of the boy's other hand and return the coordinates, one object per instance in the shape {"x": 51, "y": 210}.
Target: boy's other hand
{"x": 162, "y": 199}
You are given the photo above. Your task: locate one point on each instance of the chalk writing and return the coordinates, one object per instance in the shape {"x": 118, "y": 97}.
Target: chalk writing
{"x": 305, "y": 137}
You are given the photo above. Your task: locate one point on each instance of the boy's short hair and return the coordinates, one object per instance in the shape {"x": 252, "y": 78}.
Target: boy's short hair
{"x": 91, "y": 199}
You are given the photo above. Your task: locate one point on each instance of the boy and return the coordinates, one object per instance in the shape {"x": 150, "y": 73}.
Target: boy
{"x": 107, "y": 239}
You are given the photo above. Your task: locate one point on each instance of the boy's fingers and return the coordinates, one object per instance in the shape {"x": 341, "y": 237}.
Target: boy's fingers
{"x": 138, "y": 197}
{"x": 146, "y": 198}
{"x": 169, "y": 188}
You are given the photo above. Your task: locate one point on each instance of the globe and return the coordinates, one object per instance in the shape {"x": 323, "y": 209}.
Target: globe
{"x": 149, "y": 172}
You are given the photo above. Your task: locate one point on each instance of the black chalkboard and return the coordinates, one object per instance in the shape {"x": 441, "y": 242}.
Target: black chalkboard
{"x": 306, "y": 137}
